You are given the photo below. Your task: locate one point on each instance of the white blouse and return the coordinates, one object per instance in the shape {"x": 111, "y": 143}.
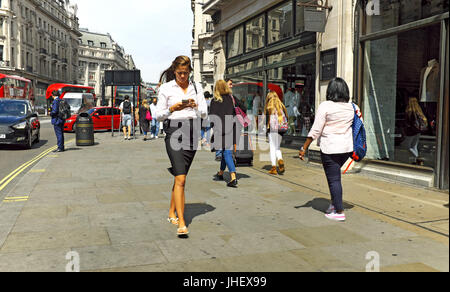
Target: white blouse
{"x": 171, "y": 93}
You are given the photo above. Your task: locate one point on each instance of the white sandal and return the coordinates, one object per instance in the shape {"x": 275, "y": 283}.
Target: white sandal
{"x": 173, "y": 221}
{"x": 182, "y": 231}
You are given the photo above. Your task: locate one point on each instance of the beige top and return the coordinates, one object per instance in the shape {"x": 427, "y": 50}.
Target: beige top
{"x": 333, "y": 127}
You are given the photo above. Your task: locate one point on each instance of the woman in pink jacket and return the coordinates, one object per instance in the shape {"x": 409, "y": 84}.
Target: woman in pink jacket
{"x": 333, "y": 128}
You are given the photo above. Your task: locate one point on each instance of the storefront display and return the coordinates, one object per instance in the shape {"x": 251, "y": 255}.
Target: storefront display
{"x": 401, "y": 82}
{"x": 287, "y": 68}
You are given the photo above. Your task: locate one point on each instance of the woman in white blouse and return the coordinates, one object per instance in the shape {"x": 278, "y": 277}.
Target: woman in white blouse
{"x": 333, "y": 128}
{"x": 181, "y": 105}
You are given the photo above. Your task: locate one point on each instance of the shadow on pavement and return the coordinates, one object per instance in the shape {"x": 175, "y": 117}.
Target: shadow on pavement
{"x": 193, "y": 210}
{"x": 321, "y": 205}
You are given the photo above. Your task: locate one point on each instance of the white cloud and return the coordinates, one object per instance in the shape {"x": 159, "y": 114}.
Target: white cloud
{"x": 153, "y": 32}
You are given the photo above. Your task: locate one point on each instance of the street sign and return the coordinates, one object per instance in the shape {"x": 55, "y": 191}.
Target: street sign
{"x": 315, "y": 20}
{"x": 122, "y": 78}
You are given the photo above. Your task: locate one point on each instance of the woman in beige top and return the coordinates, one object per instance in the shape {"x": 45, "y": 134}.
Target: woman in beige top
{"x": 333, "y": 128}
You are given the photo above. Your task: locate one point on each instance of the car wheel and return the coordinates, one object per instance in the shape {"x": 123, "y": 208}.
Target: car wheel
{"x": 29, "y": 144}
{"x": 38, "y": 137}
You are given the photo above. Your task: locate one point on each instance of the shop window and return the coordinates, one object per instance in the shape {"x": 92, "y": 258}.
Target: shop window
{"x": 235, "y": 42}
{"x": 394, "y": 13}
{"x": 295, "y": 85}
{"x": 401, "y": 78}
{"x": 255, "y": 34}
{"x": 291, "y": 54}
{"x": 281, "y": 19}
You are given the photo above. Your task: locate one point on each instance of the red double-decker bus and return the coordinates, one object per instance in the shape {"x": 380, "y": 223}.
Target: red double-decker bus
{"x": 15, "y": 87}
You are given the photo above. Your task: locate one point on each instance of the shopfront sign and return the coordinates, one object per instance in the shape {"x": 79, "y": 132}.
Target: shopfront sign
{"x": 328, "y": 65}
{"x": 315, "y": 20}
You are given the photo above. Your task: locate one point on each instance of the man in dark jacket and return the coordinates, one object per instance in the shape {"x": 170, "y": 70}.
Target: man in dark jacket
{"x": 57, "y": 122}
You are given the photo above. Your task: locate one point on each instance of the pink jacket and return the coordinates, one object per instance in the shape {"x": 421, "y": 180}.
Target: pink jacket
{"x": 333, "y": 127}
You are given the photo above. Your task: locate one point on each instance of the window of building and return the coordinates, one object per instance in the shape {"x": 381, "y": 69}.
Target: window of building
{"x": 401, "y": 12}
{"x": 235, "y": 42}
{"x": 402, "y": 77}
{"x": 281, "y": 19}
{"x": 255, "y": 33}
{"x": 103, "y": 45}
{"x": 91, "y": 43}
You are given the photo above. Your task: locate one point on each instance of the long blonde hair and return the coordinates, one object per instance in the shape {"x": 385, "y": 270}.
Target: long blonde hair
{"x": 145, "y": 104}
{"x": 220, "y": 90}
{"x": 274, "y": 104}
{"x": 414, "y": 107}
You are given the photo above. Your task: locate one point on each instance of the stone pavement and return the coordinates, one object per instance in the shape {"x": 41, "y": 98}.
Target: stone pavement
{"x": 109, "y": 203}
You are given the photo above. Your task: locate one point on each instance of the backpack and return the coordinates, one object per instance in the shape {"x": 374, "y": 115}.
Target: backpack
{"x": 420, "y": 122}
{"x": 64, "y": 111}
{"x": 127, "y": 107}
{"x": 359, "y": 138}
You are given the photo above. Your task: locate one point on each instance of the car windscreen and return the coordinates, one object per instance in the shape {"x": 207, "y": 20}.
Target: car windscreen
{"x": 91, "y": 111}
{"x": 73, "y": 102}
{"x": 13, "y": 108}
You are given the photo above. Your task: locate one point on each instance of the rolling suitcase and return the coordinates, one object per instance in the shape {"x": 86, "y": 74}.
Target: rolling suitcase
{"x": 244, "y": 151}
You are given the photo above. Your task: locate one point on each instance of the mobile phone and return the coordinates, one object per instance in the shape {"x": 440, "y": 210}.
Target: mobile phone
{"x": 185, "y": 101}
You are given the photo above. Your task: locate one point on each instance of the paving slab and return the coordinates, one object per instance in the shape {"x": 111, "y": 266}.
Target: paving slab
{"x": 108, "y": 206}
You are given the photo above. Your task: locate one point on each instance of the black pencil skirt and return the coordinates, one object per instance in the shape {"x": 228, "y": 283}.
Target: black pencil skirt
{"x": 182, "y": 139}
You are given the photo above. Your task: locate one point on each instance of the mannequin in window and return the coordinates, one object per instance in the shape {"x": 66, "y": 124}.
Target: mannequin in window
{"x": 430, "y": 90}
{"x": 288, "y": 97}
{"x": 429, "y": 82}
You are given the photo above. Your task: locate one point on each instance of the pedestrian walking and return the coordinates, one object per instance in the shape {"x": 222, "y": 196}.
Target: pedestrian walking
{"x": 126, "y": 111}
{"x": 333, "y": 128}
{"x": 58, "y": 120}
{"x": 416, "y": 123}
{"x": 277, "y": 124}
{"x": 226, "y": 130}
{"x": 145, "y": 118}
{"x": 154, "y": 125}
{"x": 206, "y": 127}
{"x": 180, "y": 104}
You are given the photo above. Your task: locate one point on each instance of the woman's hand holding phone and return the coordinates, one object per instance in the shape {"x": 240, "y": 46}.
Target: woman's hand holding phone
{"x": 186, "y": 103}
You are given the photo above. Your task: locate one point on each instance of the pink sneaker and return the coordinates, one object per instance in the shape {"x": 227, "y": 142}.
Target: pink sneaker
{"x": 336, "y": 217}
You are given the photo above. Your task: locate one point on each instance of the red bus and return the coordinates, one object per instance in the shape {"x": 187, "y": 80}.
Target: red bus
{"x": 63, "y": 88}
{"x": 15, "y": 87}
{"x": 80, "y": 98}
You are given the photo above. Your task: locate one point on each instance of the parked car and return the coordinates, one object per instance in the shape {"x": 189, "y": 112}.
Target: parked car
{"x": 19, "y": 123}
{"x": 101, "y": 117}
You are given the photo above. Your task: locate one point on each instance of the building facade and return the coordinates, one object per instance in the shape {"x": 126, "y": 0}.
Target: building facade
{"x": 296, "y": 48}
{"x": 202, "y": 47}
{"x": 99, "y": 52}
{"x": 39, "y": 41}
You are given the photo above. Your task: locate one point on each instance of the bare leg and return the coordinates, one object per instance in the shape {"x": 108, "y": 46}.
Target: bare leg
{"x": 172, "y": 209}
{"x": 178, "y": 198}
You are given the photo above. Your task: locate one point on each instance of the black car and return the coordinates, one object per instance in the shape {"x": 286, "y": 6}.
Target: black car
{"x": 19, "y": 124}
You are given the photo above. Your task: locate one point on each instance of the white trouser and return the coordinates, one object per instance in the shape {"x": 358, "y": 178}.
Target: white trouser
{"x": 275, "y": 152}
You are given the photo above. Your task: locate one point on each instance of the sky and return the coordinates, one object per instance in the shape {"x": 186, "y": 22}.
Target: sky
{"x": 154, "y": 32}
